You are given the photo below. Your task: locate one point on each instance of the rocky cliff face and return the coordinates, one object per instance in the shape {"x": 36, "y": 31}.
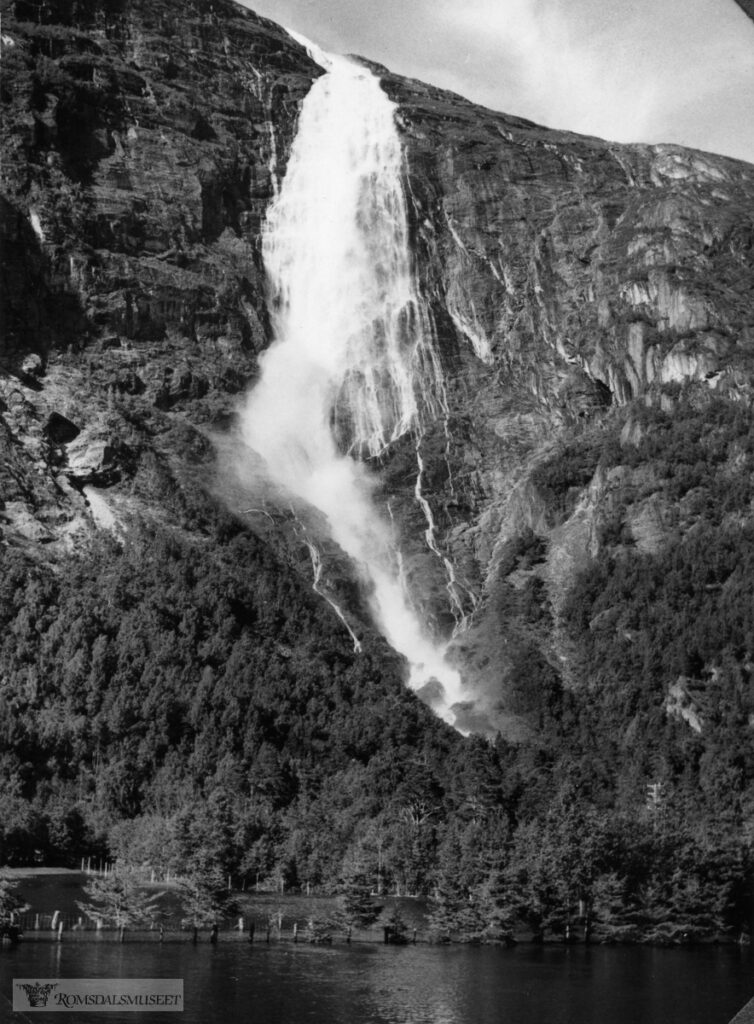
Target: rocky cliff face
{"x": 141, "y": 147}
{"x": 571, "y": 283}
{"x": 571, "y": 280}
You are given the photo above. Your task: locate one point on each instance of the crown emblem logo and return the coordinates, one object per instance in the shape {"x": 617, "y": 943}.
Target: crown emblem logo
{"x": 37, "y": 994}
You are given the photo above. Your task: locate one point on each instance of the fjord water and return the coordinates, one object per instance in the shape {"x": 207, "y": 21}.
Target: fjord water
{"x": 352, "y": 366}
{"x": 374, "y": 984}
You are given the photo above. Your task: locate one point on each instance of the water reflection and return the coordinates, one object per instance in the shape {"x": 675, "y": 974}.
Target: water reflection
{"x": 364, "y": 984}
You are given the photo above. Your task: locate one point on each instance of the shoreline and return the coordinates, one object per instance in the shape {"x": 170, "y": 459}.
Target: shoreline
{"x": 31, "y": 872}
{"x": 284, "y": 901}
{"x": 233, "y": 936}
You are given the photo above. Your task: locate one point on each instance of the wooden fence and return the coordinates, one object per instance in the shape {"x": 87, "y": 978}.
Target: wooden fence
{"x": 76, "y": 927}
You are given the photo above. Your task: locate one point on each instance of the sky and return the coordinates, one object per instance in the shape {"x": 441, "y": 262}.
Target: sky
{"x": 645, "y": 71}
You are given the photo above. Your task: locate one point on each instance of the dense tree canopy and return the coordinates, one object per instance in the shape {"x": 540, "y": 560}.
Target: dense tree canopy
{"x": 181, "y": 701}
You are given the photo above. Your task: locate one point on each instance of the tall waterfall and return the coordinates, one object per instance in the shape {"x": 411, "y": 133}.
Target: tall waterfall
{"x": 352, "y": 350}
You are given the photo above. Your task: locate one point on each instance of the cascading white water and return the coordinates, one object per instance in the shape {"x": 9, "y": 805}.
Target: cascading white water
{"x": 352, "y": 350}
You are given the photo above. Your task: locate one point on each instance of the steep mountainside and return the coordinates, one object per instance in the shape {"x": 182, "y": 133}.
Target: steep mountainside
{"x": 588, "y": 468}
{"x": 140, "y": 146}
{"x": 568, "y": 279}
{"x": 575, "y": 284}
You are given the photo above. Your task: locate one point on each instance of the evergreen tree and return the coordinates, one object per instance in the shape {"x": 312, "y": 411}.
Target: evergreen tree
{"x": 205, "y": 897}
{"x": 119, "y": 899}
{"x": 356, "y": 902}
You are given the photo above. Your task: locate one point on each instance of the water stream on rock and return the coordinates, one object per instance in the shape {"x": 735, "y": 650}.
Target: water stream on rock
{"x": 352, "y": 364}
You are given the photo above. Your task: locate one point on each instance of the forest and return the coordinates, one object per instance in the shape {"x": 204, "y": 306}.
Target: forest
{"x": 178, "y": 700}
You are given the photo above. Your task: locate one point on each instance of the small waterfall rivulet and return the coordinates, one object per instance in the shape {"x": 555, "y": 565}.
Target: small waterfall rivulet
{"x": 352, "y": 360}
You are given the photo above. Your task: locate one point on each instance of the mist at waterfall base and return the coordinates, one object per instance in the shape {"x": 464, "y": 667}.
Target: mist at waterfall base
{"x": 351, "y": 367}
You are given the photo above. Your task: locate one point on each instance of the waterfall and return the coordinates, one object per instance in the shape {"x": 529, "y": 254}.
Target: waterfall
{"x": 351, "y": 366}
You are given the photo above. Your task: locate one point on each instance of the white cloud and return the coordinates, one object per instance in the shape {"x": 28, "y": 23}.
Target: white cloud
{"x": 638, "y": 72}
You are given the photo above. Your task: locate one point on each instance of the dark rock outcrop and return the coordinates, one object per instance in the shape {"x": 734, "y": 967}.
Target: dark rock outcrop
{"x": 140, "y": 143}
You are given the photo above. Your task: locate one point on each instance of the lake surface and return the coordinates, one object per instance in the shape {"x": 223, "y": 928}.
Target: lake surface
{"x": 376, "y": 984}
{"x": 370, "y": 983}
